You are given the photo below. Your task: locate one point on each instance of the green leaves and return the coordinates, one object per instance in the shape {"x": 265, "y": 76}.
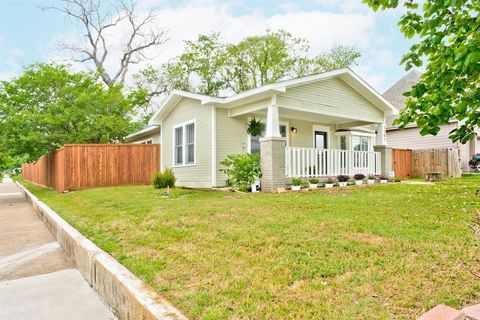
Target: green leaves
{"x": 250, "y": 63}
{"x": 242, "y": 169}
{"x": 49, "y": 106}
{"x": 449, "y": 43}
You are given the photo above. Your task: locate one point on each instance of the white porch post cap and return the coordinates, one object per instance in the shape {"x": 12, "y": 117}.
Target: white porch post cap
{"x": 272, "y": 129}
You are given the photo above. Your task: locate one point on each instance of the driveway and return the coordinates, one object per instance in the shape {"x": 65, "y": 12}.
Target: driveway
{"x": 37, "y": 279}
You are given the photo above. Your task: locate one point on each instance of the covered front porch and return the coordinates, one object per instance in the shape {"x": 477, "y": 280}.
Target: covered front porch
{"x": 297, "y": 143}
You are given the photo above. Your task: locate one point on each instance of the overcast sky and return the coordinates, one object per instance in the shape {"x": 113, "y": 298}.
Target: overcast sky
{"x": 29, "y": 34}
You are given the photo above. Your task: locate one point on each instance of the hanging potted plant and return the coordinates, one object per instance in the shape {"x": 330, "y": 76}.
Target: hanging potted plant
{"x": 342, "y": 180}
{"x": 313, "y": 183}
{"x": 296, "y": 184}
{"x": 371, "y": 179}
{"x": 359, "y": 179}
{"x": 254, "y": 127}
{"x": 330, "y": 182}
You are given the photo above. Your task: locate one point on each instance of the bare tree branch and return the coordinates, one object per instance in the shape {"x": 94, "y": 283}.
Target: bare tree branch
{"x": 98, "y": 22}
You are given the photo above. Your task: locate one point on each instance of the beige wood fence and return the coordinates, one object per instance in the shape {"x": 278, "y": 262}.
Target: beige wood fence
{"x": 79, "y": 166}
{"x": 446, "y": 160}
{"x": 423, "y": 161}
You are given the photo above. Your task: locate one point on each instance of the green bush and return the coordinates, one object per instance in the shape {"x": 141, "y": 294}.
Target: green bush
{"x": 164, "y": 179}
{"x": 242, "y": 169}
{"x": 297, "y": 182}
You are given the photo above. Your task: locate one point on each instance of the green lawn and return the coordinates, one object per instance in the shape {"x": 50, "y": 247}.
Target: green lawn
{"x": 380, "y": 252}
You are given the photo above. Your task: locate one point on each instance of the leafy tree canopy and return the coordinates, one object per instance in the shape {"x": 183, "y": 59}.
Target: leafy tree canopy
{"x": 214, "y": 65}
{"x": 449, "y": 42}
{"x": 49, "y": 106}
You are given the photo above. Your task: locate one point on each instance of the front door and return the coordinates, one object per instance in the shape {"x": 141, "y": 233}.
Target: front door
{"x": 320, "y": 138}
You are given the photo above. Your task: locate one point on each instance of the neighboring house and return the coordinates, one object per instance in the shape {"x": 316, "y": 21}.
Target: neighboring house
{"x": 147, "y": 135}
{"x": 324, "y": 124}
{"x": 410, "y": 137}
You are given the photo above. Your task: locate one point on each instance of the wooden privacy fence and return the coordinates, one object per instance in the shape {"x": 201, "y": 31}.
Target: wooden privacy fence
{"x": 402, "y": 163}
{"x": 80, "y": 166}
{"x": 417, "y": 163}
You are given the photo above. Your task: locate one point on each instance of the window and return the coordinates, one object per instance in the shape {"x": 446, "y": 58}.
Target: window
{"x": 147, "y": 142}
{"x": 360, "y": 143}
{"x": 190, "y": 143}
{"x": 184, "y": 144}
{"x": 255, "y": 141}
{"x": 343, "y": 142}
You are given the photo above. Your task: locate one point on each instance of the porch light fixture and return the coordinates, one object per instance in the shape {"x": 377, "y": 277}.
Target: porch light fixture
{"x": 293, "y": 130}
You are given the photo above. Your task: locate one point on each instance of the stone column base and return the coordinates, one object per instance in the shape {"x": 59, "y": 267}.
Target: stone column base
{"x": 272, "y": 159}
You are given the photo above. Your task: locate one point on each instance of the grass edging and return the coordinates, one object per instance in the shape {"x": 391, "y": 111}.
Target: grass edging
{"x": 127, "y": 295}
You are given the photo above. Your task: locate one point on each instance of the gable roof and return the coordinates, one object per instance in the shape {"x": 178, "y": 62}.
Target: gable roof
{"x": 147, "y": 130}
{"x": 345, "y": 74}
{"x": 395, "y": 93}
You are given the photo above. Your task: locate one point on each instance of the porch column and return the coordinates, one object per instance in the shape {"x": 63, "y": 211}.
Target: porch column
{"x": 272, "y": 160}
{"x": 273, "y": 123}
{"x": 381, "y": 138}
{"x": 385, "y": 151}
{"x": 385, "y": 158}
{"x": 272, "y": 152}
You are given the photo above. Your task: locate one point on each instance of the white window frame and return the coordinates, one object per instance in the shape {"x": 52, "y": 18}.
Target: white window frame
{"x": 264, "y": 121}
{"x": 350, "y": 134}
{"x": 321, "y": 128}
{"x": 184, "y": 144}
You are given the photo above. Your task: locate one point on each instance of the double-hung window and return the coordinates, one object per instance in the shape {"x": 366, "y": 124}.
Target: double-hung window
{"x": 184, "y": 144}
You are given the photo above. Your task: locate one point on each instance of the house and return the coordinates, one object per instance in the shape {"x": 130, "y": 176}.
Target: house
{"x": 147, "y": 135}
{"x": 321, "y": 125}
{"x": 410, "y": 137}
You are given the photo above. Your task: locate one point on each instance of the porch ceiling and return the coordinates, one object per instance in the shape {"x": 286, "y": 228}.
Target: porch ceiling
{"x": 316, "y": 117}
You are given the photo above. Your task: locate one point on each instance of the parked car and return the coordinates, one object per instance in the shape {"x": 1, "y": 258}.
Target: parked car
{"x": 475, "y": 162}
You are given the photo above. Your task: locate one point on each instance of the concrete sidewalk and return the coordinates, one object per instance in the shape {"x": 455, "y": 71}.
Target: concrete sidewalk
{"x": 37, "y": 279}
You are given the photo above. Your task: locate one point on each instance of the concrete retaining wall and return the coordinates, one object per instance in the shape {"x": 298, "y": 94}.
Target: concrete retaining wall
{"x": 127, "y": 296}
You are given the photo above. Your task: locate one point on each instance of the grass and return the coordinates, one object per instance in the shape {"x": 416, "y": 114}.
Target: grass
{"x": 380, "y": 252}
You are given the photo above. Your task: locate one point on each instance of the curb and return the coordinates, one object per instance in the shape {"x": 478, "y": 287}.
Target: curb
{"x": 127, "y": 296}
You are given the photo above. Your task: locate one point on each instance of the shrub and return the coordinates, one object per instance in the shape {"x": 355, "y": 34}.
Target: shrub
{"x": 330, "y": 180}
{"x": 359, "y": 176}
{"x": 296, "y": 182}
{"x": 371, "y": 177}
{"x": 343, "y": 178}
{"x": 164, "y": 179}
{"x": 313, "y": 181}
{"x": 383, "y": 177}
{"x": 242, "y": 169}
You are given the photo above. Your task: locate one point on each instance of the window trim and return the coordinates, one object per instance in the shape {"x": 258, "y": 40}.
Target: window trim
{"x": 184, "y": 144}
{"x": 326, "y": 129}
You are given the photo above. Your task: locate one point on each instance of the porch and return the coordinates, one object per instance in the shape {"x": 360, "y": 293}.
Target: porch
{"x": 311, "y": 162}
{"x": 317, "y": 130}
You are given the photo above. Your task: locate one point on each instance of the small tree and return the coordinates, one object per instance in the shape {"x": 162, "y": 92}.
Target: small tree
{"x": 242, "y": 169}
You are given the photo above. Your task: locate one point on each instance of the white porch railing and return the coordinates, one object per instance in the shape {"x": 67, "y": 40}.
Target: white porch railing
{"x": 310, "y": 162}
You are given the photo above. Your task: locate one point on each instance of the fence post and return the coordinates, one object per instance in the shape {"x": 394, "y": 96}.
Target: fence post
{"x": 272, "y": 159}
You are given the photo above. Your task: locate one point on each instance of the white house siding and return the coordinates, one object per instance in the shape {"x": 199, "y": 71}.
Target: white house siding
{"x": 304, "y": 136}
{"x": 231, "y": 139}
{"x": 410, "y": 138}
{"x": 200, "y": 174}
{"x": 332, "y": 97}
{"x": 155, "y": 137}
